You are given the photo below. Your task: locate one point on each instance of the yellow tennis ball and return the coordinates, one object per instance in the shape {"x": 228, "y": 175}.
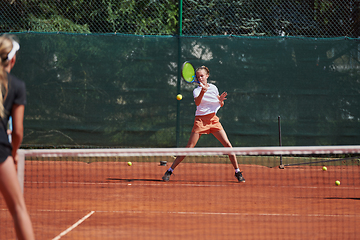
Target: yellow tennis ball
{"x": 179, "y": 97}
{"x": 337, "y": 182}
{"x": 324, "y": 168}
{"x": 129, "y": 163}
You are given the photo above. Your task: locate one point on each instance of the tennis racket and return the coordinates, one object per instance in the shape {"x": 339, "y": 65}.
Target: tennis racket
{"x": 188, "y": 73}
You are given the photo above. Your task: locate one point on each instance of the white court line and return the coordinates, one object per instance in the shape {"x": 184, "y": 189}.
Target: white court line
{"x": 163, "y": 184}
{"x": 73, "y": 226}
{"x": 238, "y": 214}
{"x": 136, "y": 183}
{"x": 264, "y": 214}
{"x": 221, "y": 213}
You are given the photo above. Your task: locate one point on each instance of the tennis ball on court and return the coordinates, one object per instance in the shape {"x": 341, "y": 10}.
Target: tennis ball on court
{"x": 337, "y": 182}
{"x": 179, "y": 97}
{"x": 324, "y": 168}
{"x": 129, "y": 163}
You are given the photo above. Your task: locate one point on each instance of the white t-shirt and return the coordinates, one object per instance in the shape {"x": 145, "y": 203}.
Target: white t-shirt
{"x": 210, "y": 102}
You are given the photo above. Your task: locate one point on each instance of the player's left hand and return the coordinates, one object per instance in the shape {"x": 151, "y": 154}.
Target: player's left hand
{"x": 222, "y": 97}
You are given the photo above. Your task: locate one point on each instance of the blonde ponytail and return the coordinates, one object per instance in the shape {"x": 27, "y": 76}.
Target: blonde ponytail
{"x": 3, "y": 86}
{"x": 7, "y": 46}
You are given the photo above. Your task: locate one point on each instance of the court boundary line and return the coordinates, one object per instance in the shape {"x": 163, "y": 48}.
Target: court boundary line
{"x": 210, "y": 213}
{"x": 73, "y": 226}
{"x": 132, "y": 183}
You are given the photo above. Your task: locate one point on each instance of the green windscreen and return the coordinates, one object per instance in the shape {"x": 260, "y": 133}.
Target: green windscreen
{"x": 120, "y": 90}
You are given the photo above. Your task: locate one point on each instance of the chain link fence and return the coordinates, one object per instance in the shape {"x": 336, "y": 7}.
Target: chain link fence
{"x": 307, "y": 18}
{"x": 272, "y": 18}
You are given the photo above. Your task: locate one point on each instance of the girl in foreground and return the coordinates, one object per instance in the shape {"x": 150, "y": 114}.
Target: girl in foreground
{"x": 208, "y": 102}
{"x": 12, "y": 103}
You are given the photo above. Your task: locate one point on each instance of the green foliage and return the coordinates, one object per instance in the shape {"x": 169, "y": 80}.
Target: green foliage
{"x": 56, "y": 23}
{"x": 96, "y": 16}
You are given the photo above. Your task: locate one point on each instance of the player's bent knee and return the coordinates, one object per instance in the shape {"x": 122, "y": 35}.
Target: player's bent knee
{"x": 227, "y": 145}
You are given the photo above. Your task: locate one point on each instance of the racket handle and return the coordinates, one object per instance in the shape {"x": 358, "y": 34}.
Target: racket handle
{"x": 10, "y": 128}
{"x": 201, "y": 84}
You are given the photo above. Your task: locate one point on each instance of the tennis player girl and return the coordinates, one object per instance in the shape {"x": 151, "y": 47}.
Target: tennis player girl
{"x": 208, "y": 102}
{"x": 12, "y": 103}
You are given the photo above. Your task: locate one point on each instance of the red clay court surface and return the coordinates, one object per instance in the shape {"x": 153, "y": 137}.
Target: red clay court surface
{"x": 74, "y": 200}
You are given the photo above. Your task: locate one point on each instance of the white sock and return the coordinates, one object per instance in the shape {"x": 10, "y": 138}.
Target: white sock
{"x": 237, "y": 170}
{"x": 171, "y": 170}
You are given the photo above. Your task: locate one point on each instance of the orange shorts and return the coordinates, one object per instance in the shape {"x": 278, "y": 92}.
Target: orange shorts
{"x": 207, "y": 124}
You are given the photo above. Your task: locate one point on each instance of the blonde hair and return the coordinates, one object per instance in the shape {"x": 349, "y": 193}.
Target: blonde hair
{"x": 203, "y": 68}
{"x": 6, "y": 46}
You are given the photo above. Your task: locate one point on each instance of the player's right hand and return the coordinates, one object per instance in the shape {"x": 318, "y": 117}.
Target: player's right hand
{"x": 203, "y": 88}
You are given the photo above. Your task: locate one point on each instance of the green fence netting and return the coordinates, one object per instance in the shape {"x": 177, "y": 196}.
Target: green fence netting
{"x": 120, "y": 90}
{"x": 306, "y": 18}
